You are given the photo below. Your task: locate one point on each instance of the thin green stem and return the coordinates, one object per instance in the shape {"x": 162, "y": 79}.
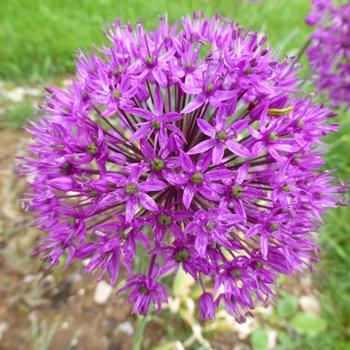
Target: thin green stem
{"x": 140, "y": 328}
{"x": 302, "y": 50}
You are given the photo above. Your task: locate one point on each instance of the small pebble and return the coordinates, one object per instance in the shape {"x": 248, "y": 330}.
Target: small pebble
{"x": 310, "y": 304}
{"x": 65, "y": 325}
{"x": 126, "y": 327}
{"x": 102, "y": 293}
{"x": 245, "y": 329}
{"x": 3, "y": 328}
{"x": 272, "y": 335}
{"x": 15, "y": 95}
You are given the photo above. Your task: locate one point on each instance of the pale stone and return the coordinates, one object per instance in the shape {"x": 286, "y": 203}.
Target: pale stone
{"x": 65, "y": 325}
{"x": 102, "y": 293}
{"x": 272, "y": 339}
{"x": 32, "y": 91}
{"x": 126, "y": 327}
{"x": 15, "y": 95}
{"x": 3, "y": 328}
{"x": 310, "y": 304}
{"x": 246, "y": 328}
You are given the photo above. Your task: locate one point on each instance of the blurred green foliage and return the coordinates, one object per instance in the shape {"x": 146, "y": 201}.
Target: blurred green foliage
{"x": 40, "y": 37}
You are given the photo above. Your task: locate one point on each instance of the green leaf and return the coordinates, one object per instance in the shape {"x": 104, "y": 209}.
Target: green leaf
{"x": 287, "y": 306}
{"x": 342, "y": 346}
{"x": 259, "y": 339}
{"x": 285, "y": 340}
{"x": 308, "y": 324}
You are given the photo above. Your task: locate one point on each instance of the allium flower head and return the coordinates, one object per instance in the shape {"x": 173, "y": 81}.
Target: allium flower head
{"x": 188, "y": 141}
{"x": 329, "y": 52}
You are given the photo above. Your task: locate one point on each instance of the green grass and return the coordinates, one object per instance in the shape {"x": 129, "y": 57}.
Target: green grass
{"x": 17, "y": 115}
{"x": 334, "y": 278}
{"x": 40, "y": 37}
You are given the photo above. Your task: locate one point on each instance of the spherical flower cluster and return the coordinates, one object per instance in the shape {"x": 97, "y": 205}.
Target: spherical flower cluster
{"x": 189, "y": 145}
{"x": 329, "y": 52}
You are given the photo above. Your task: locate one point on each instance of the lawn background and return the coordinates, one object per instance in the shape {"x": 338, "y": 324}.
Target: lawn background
{"x": 40, "y": 36}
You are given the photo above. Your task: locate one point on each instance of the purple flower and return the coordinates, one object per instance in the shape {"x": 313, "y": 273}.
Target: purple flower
{"x": 208, "y": 92}
{"x": 329, "y": 50}
{"x": 133, "y": 192}
{"x": 221, "y": 136}
{"x": 196, "y": 179}
{"x": 144, "y": 291}
{"x": 182, "y": 252}
{"x": 156, "y": 121}
{"x": 320, "y": 8}
{"x": 206, "y": 306}
{"x": 184, "y": 147}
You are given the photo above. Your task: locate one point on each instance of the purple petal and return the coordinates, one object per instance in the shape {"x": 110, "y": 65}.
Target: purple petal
{"x": 130, "y": 208}
{"x": 147, "y": 202}
{"x": 219, "y": 174}
{"x": 220, "y": 118}
{"x": 218, "y": 153}
{"x": 192, "y": 79}
{"x": 117, "y": 158}
{"x": 152, "y": 185}
{"x": 176, "y": 131}
{"x": 135, "y": 173}
{"x": 195, "y": 104}
{"x": 254, "y": 230}
{"x": 167, "y": 55}
{"x": 238, "y": 149}
{"x": 206, "y": 128}
{"x": 223, "y": 95}
{"x": 163, "y": 136}
{"x": 256, "y": 134}
{"x": 175, "y": 179}
{"x": 242, "y": 172}
{"x": 113, "y": 268}
{"x": 170, "y": 117}
{"x": 274, "y": 154}
{"x": 140, "y": 133}
{"x": 143, "y": 239}
{"x": 111, "y": 109}
{"x": 143, "y": 113}
{"x": 118, "y": 179}
{"x": 263, "y": 118}
{"x": 215, "y": 102}
{"x": 284, "y": 147}
{"x": 190, "y": 89}
{"x": 264, "y": 246}
{"x": 158, "y": 101}
{"x": 202, "y": 147}
{"x": 147, "y": 150}
{"x": 62, "y": 183}
{"x": 160, "y": 77}
{"x": 204, "y": 162}
{"x": 201, "y": 243}
{"x": 257, "y": 149}
{"x": 186, "y": 161}
{"x": 131, "y": 92}
{"x": 188, "y": 196}
{"x": 208, "y": 193}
